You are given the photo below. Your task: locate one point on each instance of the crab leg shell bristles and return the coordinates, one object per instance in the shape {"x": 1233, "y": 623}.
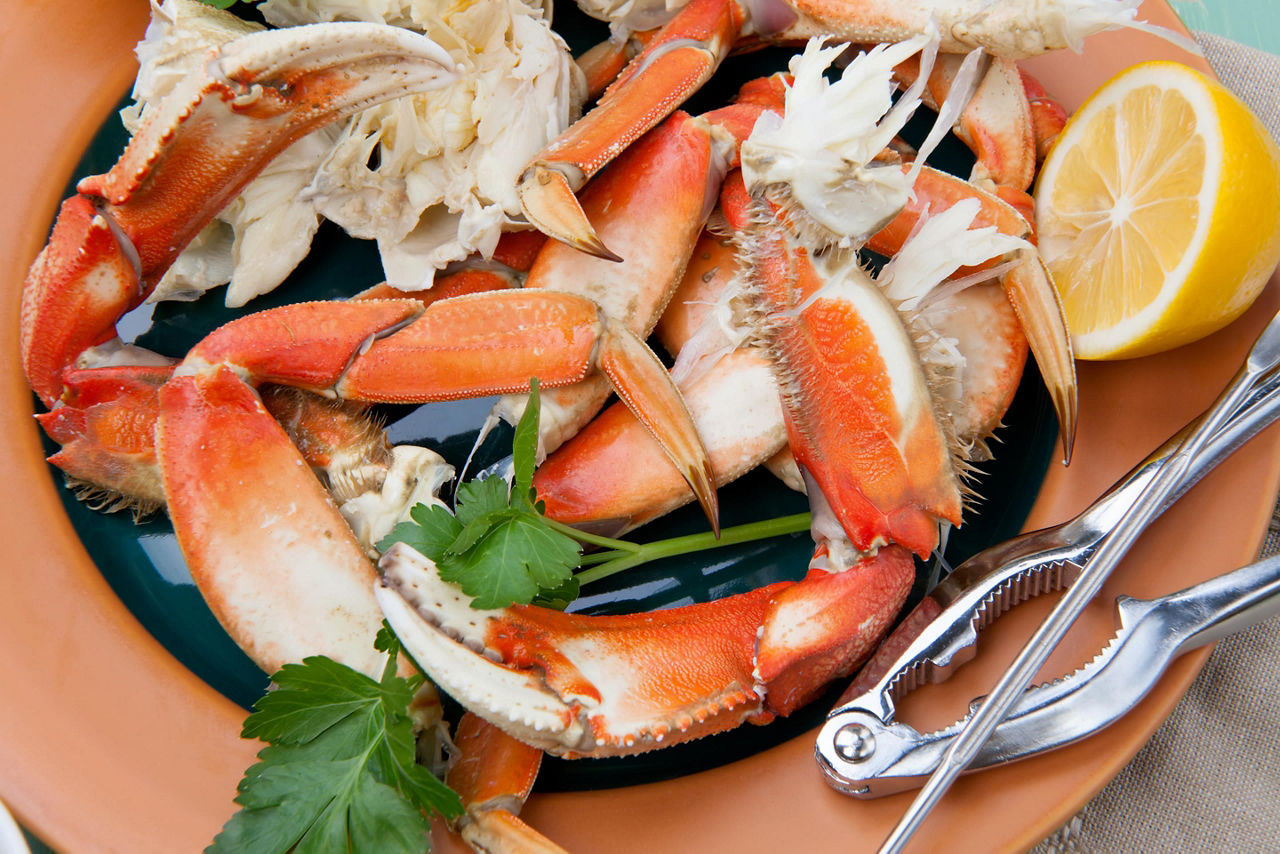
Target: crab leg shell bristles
{"x": 859, "y": 413}
{"x": 106, "y": 427}
{"x": 347, "y": 448}
{"x": 283, "y": 577}
{"x": 580, "y": 685}
{"x": 981, "y": 322}
{"x": 250, "y": 100}
{"x": 820, "y": 151}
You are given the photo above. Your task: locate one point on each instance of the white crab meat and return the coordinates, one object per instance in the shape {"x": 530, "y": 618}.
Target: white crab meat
{"x": 430, "y": 177}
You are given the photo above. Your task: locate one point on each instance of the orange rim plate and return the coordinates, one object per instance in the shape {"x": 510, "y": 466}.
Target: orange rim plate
{"x": 107, "y": 742}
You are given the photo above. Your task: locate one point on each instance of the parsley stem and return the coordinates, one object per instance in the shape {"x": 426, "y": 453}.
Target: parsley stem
{"x": 591, "y": 539}
{"x": 635, "y": 554}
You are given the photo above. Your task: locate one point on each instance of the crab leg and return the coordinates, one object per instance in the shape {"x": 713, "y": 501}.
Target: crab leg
{"x": 1047, "y": 116}
{"x": 610, "y": 477}
{"x": 859, "y": 414}
{"x": 996, "y": 124}
{"x": 378, "y": 350}
{"x": 675, "y": 63}
{"x": 251, "y": 99}
{"x": 602, "y": 63}
{"x": 685, "y": 52}
{"x": 396, "y": 351}
{"x": 668, "y": 181}
{"x": 286, "y": 579}
{"x": 578, "y": 685}
{"x": 493, "y": 775}
{"x": 1028, "y": 286}
{"x": 105, "y": 419}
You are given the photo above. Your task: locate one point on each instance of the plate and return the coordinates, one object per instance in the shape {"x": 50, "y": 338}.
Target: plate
{"x": 143, "y": 564}
{"x": 105, "y": 708}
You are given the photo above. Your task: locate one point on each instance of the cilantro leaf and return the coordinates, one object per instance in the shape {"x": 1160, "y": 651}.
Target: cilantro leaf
{"x": 339, "y": 772}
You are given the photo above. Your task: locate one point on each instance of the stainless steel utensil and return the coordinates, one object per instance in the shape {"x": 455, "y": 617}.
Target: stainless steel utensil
{"x": 941, "y": 633}
{"x": 1151, "y": 634}
{"x": 1124, "y": 518}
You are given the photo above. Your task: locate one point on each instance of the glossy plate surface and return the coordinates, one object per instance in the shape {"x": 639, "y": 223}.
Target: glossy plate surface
{"x": 97, "y": 705}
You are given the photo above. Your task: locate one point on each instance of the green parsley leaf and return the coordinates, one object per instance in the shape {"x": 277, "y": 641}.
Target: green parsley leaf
{"x": 431, "y": 532}
{"x": 524, "y": 447}
{"x": 497, "y": 545}
{"x": 516, "y": 557}
{"x": 560, "y": 597}
{"x": 481, "y": 505}
{"x": 339, "y": 772}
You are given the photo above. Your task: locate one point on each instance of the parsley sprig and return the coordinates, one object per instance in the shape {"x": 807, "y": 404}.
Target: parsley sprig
{"x": 340, "y": 770}
{"x": 499, "y": 546}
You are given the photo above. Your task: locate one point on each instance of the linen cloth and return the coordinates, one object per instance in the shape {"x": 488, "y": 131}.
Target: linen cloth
{"x": 1209, "y": 779}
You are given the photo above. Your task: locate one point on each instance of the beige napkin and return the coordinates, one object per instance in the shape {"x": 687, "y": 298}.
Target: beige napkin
{"x": 1209, "y": 779}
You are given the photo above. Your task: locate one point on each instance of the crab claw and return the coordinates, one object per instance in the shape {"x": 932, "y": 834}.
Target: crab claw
{"x": 222, "y": 124}
{"x": 493, "y": 775}
{"x": 398, "y": 351}
{"x": 675, "y": 63}
{"x": 550, "y": 205}
{"x": 578, "y": 685}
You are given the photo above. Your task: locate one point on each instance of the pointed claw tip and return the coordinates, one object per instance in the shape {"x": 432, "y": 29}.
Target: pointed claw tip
{"x": 550, "y": 205}
{"x": 596, "y": 247}
{"x": 703, "y": 484}
{"x": 1067, "y": 417}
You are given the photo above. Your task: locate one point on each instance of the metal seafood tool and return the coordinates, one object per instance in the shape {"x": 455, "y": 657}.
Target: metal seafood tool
{"x": 1151, "y": 634}
{"x": 941, "y": 632}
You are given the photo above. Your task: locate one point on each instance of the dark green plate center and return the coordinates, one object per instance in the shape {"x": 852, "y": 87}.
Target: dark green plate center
{"x": 144, "y": 566}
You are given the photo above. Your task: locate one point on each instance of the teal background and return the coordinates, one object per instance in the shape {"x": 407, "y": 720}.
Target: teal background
{"x": 1252, "y": 22}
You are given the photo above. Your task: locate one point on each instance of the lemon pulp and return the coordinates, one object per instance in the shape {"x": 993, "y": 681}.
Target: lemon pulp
{"x": 1158, "y": 212}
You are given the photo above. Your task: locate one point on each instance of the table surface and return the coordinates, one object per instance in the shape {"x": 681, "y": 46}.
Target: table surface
{"x": 1252, "y": 22}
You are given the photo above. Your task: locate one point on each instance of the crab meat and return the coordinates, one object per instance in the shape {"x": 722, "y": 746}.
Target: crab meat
{"x": 443, "y": 184}
{"x": 685, "y": 52}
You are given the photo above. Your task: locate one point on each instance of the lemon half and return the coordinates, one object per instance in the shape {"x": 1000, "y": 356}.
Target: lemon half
{"x": 1158, "y": 212}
